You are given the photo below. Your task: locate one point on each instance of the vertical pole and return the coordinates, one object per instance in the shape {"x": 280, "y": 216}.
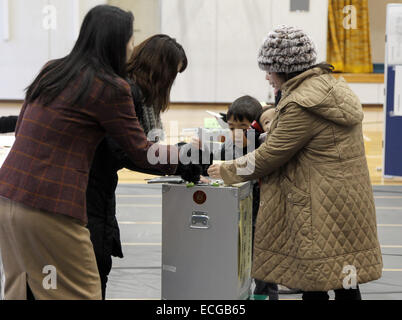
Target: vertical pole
{"x": 6, "y": 20}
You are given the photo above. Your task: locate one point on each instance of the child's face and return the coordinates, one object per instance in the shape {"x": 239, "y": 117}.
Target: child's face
{"x": 266, "y": 119}
{"x": 238, "y": 135}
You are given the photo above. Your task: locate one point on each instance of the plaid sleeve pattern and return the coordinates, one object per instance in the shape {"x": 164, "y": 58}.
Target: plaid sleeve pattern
{"x": 48, "y": 165}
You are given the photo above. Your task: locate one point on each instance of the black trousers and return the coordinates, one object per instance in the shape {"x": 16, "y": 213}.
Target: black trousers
{"x": 104, "y": 267}
{"x": 267, "y": 289}
{"x": 340, "y": 294}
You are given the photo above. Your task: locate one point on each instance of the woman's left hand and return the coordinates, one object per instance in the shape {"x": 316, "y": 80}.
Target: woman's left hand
{"x": 214, "y": 171}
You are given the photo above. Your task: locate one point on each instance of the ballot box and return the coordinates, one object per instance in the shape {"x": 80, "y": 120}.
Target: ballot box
{"x": 206, "y": 242}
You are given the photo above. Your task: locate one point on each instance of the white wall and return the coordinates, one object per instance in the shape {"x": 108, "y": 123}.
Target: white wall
{"x": 314, "y": 22}
{"x": 241, "y": 28}
{"x": 147, "y": 15}
{"x": 31, "y": 45}
{"x": 369, "y": 93}
{"x": 27, "y": 48}
{"x": 193, "y": 23}
{"x": 222, "y": 39}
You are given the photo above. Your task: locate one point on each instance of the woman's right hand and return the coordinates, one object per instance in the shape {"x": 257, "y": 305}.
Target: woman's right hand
{"x": 214, "y": 171}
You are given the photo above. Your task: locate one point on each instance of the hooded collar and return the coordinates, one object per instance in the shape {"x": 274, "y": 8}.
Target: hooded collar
{"x": 320, "y": 93}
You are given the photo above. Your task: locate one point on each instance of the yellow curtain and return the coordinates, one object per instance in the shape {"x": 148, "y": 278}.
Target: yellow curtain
{"x": 349, "y": 45}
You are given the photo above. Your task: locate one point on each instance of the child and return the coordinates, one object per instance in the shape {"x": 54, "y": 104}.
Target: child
{"x": 266, "y": 117}
{"x": 242, "y": 116}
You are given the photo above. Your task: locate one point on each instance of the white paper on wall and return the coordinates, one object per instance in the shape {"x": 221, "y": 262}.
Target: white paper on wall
{"x": 394, "y": 36}
{"x": 398, "y": 91}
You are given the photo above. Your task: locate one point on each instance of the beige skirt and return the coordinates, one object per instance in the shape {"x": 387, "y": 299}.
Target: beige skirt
{"x": 51, "y": 253}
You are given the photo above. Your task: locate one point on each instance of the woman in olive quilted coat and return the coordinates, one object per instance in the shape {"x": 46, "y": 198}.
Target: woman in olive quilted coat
{"x": 316, "y": 228}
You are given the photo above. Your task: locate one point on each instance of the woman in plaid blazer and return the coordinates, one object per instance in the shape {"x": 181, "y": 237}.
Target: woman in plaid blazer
{"x": 68, "y": 109}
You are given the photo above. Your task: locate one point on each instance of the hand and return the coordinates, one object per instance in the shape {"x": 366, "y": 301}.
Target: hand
{"x": 189, "y": 172}
{"x": 214, "y": 171}
{"x": 204, "y": 179}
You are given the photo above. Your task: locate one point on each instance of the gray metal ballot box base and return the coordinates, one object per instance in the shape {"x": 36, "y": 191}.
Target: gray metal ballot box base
{"x": 206, "y": 242}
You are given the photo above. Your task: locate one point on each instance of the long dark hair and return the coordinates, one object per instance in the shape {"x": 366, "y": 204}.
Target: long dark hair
{"x": 154, "y": 67}
{"x": 100, "y": 51}
{"x": 326, "y": 67}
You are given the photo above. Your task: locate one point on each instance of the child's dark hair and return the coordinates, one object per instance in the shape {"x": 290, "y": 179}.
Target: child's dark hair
{"x": 245, "y": 107}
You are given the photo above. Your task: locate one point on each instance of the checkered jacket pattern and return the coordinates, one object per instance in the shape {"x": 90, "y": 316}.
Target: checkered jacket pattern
{"x": 48, "y": 165}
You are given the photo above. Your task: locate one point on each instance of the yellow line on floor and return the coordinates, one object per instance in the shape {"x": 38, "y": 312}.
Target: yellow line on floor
{"x": 139, "y": 205}
{"x": 387, "y": 197}
{"x": 391, "y": 247}
{"x": 134, "y": 299}
{"x": 392, "y": 270}
{"x": 390, "y": 225}
{"x": 141, "y": 244}
{"x": 140, "y": 223}
{"x": 139, "y": 196}
{"x": 156, "y": 244}
{"x": 159, "y": 223}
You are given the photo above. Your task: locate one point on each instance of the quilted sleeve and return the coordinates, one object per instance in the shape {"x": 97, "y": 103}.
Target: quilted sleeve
{"x": 296, "y": 127}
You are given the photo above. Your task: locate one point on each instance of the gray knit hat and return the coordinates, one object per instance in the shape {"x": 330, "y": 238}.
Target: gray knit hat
{"x": 287, "y": 49}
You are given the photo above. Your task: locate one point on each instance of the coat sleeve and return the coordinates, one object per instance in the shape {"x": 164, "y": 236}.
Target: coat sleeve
{"x": 123, "y": 161}
{"x": 116, "y": 114}
{"x": 296, "y": 127}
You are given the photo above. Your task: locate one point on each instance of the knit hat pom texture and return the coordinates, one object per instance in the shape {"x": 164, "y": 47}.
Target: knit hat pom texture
{"x": 287, "y": 49}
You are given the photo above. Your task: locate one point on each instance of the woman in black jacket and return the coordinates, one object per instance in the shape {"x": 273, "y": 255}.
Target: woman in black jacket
{"x": 152, "y": 69}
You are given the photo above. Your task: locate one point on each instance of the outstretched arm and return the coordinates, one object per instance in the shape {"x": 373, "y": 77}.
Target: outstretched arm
{"x": 296, "y": 127}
